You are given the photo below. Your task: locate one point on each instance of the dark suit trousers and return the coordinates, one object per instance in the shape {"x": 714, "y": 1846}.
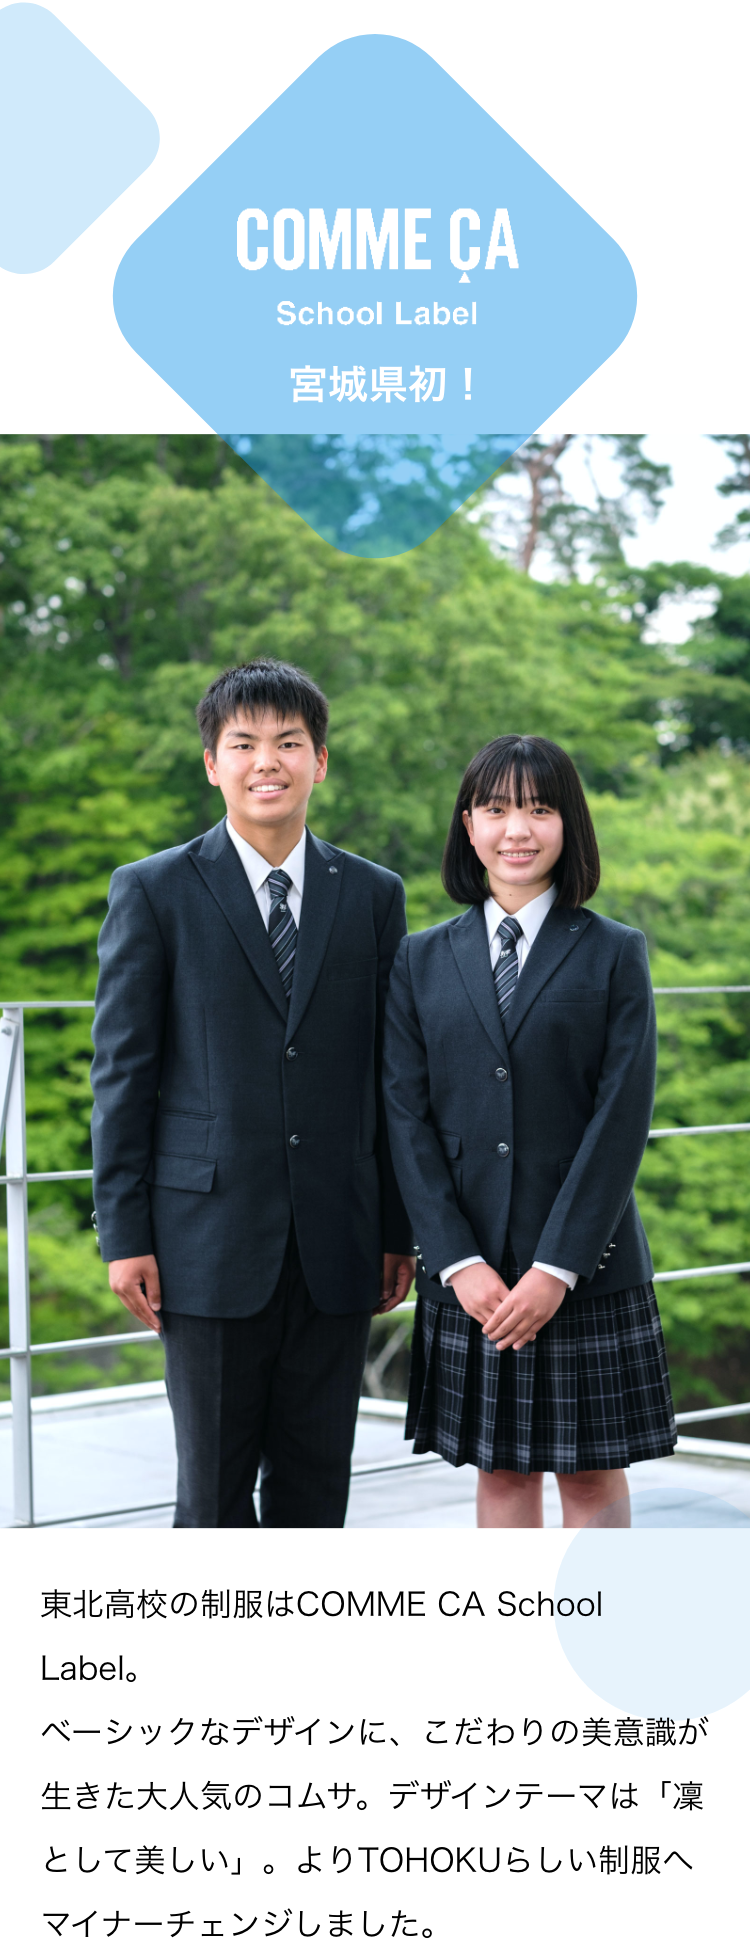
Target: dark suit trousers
{"x": 277, "y": 1391}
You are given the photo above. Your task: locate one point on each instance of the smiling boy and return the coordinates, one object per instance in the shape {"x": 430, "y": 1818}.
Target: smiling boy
{"x": 244, "y": 1191}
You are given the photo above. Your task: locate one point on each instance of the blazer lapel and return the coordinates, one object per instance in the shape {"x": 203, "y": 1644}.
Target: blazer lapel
{"x": 472, "y": 954}
{"x": 319, "y": 904}
{"x": 218, "y": 863}
{"x": 561, "y": 930}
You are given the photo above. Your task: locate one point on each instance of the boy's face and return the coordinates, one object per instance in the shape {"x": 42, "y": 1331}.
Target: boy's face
{"x": 266, "y": 770}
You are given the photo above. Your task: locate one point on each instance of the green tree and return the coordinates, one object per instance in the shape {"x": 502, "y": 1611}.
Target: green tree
{"x": 134, "y": 569}
{"x": 545, "y": 518}
{"x": 736, "y": 484}
{"x": 704, "y": 685}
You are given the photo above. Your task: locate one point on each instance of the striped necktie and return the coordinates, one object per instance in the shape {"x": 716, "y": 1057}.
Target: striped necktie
{"x": 506, "y": 968}
{"x": 282, "y": 929}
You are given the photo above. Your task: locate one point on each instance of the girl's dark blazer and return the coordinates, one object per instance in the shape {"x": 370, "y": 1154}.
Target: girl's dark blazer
{"x": 533, "y": 1128}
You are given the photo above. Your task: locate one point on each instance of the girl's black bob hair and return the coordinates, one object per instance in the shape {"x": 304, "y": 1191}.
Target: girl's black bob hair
{"x": 511, "y": 766}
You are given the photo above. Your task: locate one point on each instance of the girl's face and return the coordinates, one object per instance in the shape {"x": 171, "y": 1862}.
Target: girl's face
{"x": 519, "y": 847}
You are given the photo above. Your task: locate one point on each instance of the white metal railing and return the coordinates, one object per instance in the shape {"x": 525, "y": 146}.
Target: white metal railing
{"x": 21, "y": 1351}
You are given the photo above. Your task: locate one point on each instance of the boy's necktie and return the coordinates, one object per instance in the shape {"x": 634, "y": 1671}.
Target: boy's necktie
{"x": 506, "y": 968}
{"x": 282, "y": 929}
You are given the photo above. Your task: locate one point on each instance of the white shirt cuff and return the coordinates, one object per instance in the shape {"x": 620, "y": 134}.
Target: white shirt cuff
{"x": 448, "y": 1271}
{"x": 560, "y": 1273}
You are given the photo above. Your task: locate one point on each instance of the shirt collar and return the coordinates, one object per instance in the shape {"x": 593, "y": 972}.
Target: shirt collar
{"x": 531, "y": 917}
{"x": 257, "y": 869}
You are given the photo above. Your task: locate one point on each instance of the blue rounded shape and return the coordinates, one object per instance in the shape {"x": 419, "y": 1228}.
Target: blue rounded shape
{"x": 312, "y": 278}
{"x": 72, "y": 138}
{"x": 672, "y": 1639}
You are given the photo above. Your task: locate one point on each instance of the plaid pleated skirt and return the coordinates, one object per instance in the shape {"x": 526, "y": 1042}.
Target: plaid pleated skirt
{"x": 591, "y": 1392}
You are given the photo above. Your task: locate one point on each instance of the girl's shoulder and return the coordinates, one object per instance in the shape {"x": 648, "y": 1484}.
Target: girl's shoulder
{"x": 608, "y": 927}
{"x": 619, "y": 949}
{"x": 438, "y": 936}
{"x": 423, "y": 945}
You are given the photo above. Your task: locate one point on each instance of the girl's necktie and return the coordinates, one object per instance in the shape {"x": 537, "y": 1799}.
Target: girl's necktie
{"x": 506, "y": 968}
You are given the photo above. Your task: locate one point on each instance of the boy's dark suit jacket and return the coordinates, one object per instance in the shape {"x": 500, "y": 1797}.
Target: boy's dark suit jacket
{"x": 535, "y": 1127}
{"x": 218, "y": 1114}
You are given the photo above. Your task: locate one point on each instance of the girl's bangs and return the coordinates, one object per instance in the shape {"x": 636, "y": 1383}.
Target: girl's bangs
{"x": 510, "y": 773}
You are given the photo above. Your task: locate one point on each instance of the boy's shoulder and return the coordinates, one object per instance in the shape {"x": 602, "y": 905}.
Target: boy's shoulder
{"x": 160, "y": 867}
{"x": 167, "y": 865}
{"x": 368, "y": 874}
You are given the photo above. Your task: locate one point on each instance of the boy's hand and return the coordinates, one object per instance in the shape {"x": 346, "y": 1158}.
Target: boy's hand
{"x": 398, "y": 1272}
{"x": 136, "y": 1283}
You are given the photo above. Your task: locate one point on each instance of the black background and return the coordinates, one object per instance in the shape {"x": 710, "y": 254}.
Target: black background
{"x": 630, "y": 142}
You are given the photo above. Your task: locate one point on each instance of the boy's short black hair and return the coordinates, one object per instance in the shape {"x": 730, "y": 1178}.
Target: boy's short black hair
{"x": 510, "y": 766}
{"x": 263, "y": 687}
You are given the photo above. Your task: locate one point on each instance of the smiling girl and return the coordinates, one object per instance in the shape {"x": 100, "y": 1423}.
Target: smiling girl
{"x": 520, "y": 1066}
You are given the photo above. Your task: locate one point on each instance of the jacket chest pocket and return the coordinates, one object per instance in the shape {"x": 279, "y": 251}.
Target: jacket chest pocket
{"x": 573, "y": 999}
{"x": 351, "y": 969}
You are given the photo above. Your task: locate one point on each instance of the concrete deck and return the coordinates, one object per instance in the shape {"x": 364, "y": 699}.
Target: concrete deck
{"x": 110, "y": 1462}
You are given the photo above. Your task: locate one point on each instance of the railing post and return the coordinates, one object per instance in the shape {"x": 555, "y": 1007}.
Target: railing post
{"x": 18, "y": 1273}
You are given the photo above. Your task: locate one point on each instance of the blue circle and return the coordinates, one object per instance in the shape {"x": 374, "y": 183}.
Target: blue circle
{"x": 671, "y": 1639}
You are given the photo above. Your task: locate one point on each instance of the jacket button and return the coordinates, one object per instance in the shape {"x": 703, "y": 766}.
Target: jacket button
{"x": 503, "y": 1151}
{"x": 290, "y": 1052}
{"x": 332, "y": 870}
{"x": 294, "y": 1140}
{"x": 501, "y": 1074}
{"x": 574, "y": 926}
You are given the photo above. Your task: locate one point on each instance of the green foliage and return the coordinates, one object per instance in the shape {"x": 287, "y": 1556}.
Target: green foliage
{"x": 736, "y": 484}
{"x": 380, "y": 495}
{"x": 675, "y": 863}
{"x": 133, "y": 570}
{"x": 705, "y": 687}
{"x": 70, "y": 1299}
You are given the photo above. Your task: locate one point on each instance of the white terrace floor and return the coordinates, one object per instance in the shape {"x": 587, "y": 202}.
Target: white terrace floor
{"x": 100, "y": 1462}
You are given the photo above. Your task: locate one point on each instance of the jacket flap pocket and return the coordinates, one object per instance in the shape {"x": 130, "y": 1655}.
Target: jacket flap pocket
{"x": 451, "y": 1143}
{"x": 185, "y": 1175}
{"x": 185, "y": 1134}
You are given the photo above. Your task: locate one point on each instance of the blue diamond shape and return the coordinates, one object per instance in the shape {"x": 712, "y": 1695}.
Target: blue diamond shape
{"x": 72, "y": 138}
{"x": 512, "y": 311}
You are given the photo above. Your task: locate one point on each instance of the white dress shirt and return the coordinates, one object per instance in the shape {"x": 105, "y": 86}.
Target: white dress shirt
{"x": 531, "y": 918}
{"x": 258, "y": 870}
